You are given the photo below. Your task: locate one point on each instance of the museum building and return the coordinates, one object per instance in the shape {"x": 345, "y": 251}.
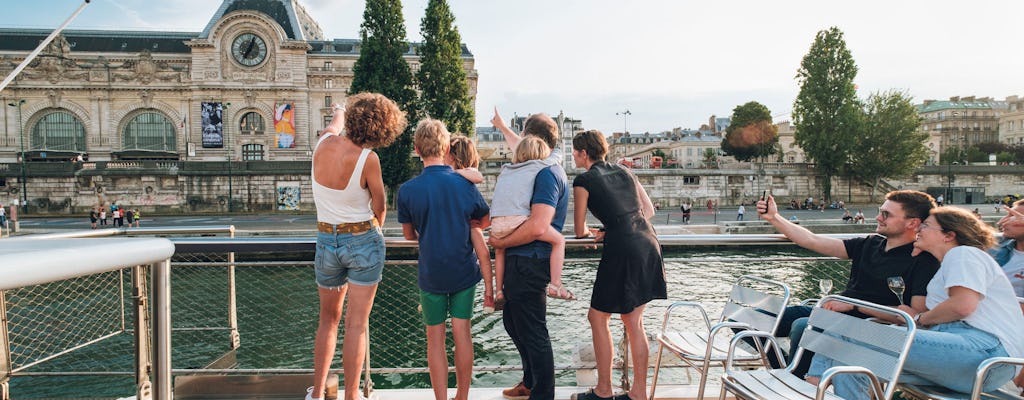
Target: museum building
{"x": 183, "y": 111}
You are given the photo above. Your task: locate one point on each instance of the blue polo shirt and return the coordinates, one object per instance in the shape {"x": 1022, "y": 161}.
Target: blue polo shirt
{"x": 551, "y": 188}
{"x": 439, "y": 203}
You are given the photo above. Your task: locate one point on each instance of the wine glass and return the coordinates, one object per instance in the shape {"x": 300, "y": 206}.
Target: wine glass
{"x": 826, "y": 286}
{"x": 897, "y": 286}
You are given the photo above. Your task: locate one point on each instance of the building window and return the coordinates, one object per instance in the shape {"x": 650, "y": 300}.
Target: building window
{"x": 691, "y": 180}
{"x": 327, "y": 120}
{"x": 251, "y": 124}
{"x": 149, "y": 131}
{"x": 252, "y": 152}
{"x": 328, "y": 83}
{"x": 328, "y": 66}
{"x": 58, "y": 131}
{"x": 328, "y": 101}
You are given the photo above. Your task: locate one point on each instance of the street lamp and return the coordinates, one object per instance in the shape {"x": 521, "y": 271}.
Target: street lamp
{"x": 226, "y": 122}
{"x": 21, "y": 141}
{"x": 625, "y": 122}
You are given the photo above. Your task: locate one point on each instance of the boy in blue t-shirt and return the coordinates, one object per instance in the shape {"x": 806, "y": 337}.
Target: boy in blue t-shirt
{"x": 436, "y": 208}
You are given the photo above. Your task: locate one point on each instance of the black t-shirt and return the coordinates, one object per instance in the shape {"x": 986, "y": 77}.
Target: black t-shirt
{"x": 872, "y": 266}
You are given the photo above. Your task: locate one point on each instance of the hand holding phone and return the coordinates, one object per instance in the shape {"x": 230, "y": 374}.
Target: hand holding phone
{"x": 764, "y": 198}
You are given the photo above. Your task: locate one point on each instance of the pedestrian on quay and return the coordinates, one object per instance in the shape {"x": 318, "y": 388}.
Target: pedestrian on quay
{"x": 348, "y": 190}
{"x": 740, "y": 211}
{"x": 437, "y": 209}
{"x": 129, "y": 215}
{"x": 136, "y": 217}
{"x": 93, "y": 217}
{"x": 103, "y": 216}
{"x": 686, "y": 208}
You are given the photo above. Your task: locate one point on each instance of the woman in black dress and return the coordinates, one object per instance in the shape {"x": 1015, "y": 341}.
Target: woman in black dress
{"x": 631, "y": 272}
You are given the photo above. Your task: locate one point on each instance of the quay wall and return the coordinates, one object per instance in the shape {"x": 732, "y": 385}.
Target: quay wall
{"x": 262, "y": 186}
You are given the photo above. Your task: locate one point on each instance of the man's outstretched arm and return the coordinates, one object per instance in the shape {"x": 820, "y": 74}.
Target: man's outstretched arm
{"x": 825, "y": 245}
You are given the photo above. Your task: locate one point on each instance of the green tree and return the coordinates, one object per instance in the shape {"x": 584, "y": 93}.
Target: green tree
{"x": 826, "y": 113}
{"x": 751, "y": 133}
{"x": 444, "y": 90}
{"x": 381, "y": 68}
{"x": 891, "y": 145}
{"x": 710, "y": 158}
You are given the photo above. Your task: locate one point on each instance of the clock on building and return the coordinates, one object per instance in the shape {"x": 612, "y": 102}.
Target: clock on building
{"x": 249, "y": 49}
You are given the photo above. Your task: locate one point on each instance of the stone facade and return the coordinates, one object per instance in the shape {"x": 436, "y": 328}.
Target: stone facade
{"x": 116, "y": 96}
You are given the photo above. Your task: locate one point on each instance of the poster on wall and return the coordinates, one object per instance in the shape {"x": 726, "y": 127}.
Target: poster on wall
{"x": 288, "y": 195}
{"x": 284, "y": 125}
{"x": 213, "y": 125}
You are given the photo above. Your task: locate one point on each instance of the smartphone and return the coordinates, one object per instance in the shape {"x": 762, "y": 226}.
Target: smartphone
{"x": 764, "y": 197}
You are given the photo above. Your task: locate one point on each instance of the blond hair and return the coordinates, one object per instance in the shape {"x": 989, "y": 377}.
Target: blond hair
{"x": 530, "y": 148}
{"x": 432, "y": 138}
{"x": 463, "y": 152}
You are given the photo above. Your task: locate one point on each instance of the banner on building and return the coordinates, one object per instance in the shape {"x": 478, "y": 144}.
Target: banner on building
{"x": 213, "y": 125}
{"x": 284, "y": 125}
{"x": 288, "y": 195}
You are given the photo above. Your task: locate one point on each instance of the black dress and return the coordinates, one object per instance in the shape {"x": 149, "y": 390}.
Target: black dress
{"x": 631, "y": 272}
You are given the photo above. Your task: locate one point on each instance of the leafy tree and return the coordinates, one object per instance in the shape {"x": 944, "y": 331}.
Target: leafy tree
{"x": 381, "y": 68}
{"x": 444, "y": 90}
{"x": 751, "y": 133}
{"x": 710, "y": 158}
{"x": 891, "y": 145}
{"x": 826, "y": 113}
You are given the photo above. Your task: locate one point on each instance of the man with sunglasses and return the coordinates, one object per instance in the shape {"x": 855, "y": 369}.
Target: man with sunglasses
{"x": 874, "y": 258}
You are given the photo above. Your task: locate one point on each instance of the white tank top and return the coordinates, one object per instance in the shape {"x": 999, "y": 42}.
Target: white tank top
{"x": 352, "y": 204}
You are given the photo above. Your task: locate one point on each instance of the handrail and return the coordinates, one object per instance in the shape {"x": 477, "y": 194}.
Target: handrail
{"x": 29, "y": 263}
{"x": 95, "y": 233}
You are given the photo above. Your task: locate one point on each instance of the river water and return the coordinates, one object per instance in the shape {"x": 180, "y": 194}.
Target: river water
{"x": 277, "y": 316}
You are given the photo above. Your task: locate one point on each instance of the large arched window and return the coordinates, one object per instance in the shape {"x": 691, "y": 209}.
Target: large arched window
{"x": 251, "y": 124}
{"x": 149, "y": 131}
{"x": 58, "y": 131}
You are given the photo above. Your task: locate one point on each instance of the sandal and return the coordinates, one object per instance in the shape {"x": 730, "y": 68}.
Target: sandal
{"x": 559, "y": 292}
{"x": 589, "y": 395}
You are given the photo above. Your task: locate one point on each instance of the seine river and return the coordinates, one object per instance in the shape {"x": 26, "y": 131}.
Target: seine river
{"x": 277, "y": 316}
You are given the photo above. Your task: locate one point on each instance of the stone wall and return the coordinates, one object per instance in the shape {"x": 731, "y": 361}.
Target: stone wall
{"x": 262, "y": 186}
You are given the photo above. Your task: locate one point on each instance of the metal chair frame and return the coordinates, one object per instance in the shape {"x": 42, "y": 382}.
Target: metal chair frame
{"x": 747, "y": 308}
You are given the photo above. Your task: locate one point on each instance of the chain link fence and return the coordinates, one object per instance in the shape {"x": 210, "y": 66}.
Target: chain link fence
{"x": 277, "y": 308}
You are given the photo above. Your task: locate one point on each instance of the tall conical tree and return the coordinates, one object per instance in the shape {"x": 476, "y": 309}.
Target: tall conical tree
{"x": 827, "y": 113}
{"x": 444, "y": 91}
{"x": 381, "y": 69}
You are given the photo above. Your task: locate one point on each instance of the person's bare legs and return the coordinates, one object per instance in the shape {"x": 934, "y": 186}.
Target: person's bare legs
{"x": 353, "y": 351}
{"x": 603, "y": 350}
{"x": 483, "y": 255}
{"x": 638, "y": 348}
{"x": 331, "y": 302}
{"x": 437, "y": 360}
{"x": 463, "y": 356}
{"x": 499, "y": 273}
{"x": 557, "y": 242}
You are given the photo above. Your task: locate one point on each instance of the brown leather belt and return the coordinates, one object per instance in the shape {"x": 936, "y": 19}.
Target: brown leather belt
{"x": 348, "y": 227}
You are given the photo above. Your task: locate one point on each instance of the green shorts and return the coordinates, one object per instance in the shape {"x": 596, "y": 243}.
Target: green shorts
{"x": 437, "y": 306}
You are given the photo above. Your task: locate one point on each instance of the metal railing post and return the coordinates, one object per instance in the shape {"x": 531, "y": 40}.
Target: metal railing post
{"x": 5, "y": 351}
{"x": 161, "y": 275}
{"x": 236, "y": 340}
{"x": 143, "y": 347}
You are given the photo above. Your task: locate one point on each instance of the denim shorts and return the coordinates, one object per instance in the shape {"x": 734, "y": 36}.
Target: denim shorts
{"x": 347, "y": 257}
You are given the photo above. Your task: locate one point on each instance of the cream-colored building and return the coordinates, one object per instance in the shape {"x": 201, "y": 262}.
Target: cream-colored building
{"x": 960, "y": 122}
{"x": 262, "y": 69}
{"x": 1011, "y": 122}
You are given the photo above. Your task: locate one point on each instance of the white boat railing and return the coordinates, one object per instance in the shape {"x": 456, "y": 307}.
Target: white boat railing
{"x": 205, "y": 266}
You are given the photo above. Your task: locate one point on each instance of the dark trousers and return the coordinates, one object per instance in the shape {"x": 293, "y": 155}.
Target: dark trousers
{"x": 789, "y": 316}
{"x": 525, "y": 319}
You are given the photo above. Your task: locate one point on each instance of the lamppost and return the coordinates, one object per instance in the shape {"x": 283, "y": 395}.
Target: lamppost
{"x": 226, "y": 122}
{"x": 21, "y": 141}
{"x": 625, "y": 122}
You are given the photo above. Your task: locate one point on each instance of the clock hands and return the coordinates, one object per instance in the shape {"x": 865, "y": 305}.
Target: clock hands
{"x": 252, "y": 43}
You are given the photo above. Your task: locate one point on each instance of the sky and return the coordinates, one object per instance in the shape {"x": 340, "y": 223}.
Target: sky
{"x": 670, "y": 63}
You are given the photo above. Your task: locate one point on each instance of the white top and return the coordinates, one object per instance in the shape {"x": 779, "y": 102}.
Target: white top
{"x": 998, "y": 312}
{"x": 351, "y": 204}
{"x": 1014, "y": 270}
{"x": 741, "y": 210}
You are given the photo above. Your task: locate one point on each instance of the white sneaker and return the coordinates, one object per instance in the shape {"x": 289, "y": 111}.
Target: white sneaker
{"x": 309, "y": 394}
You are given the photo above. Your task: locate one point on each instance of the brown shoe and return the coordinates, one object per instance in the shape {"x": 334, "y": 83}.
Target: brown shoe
{"x": 517, "y": 392}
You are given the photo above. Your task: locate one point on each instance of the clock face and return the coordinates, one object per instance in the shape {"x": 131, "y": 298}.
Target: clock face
{"x": 249, "y": 50}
